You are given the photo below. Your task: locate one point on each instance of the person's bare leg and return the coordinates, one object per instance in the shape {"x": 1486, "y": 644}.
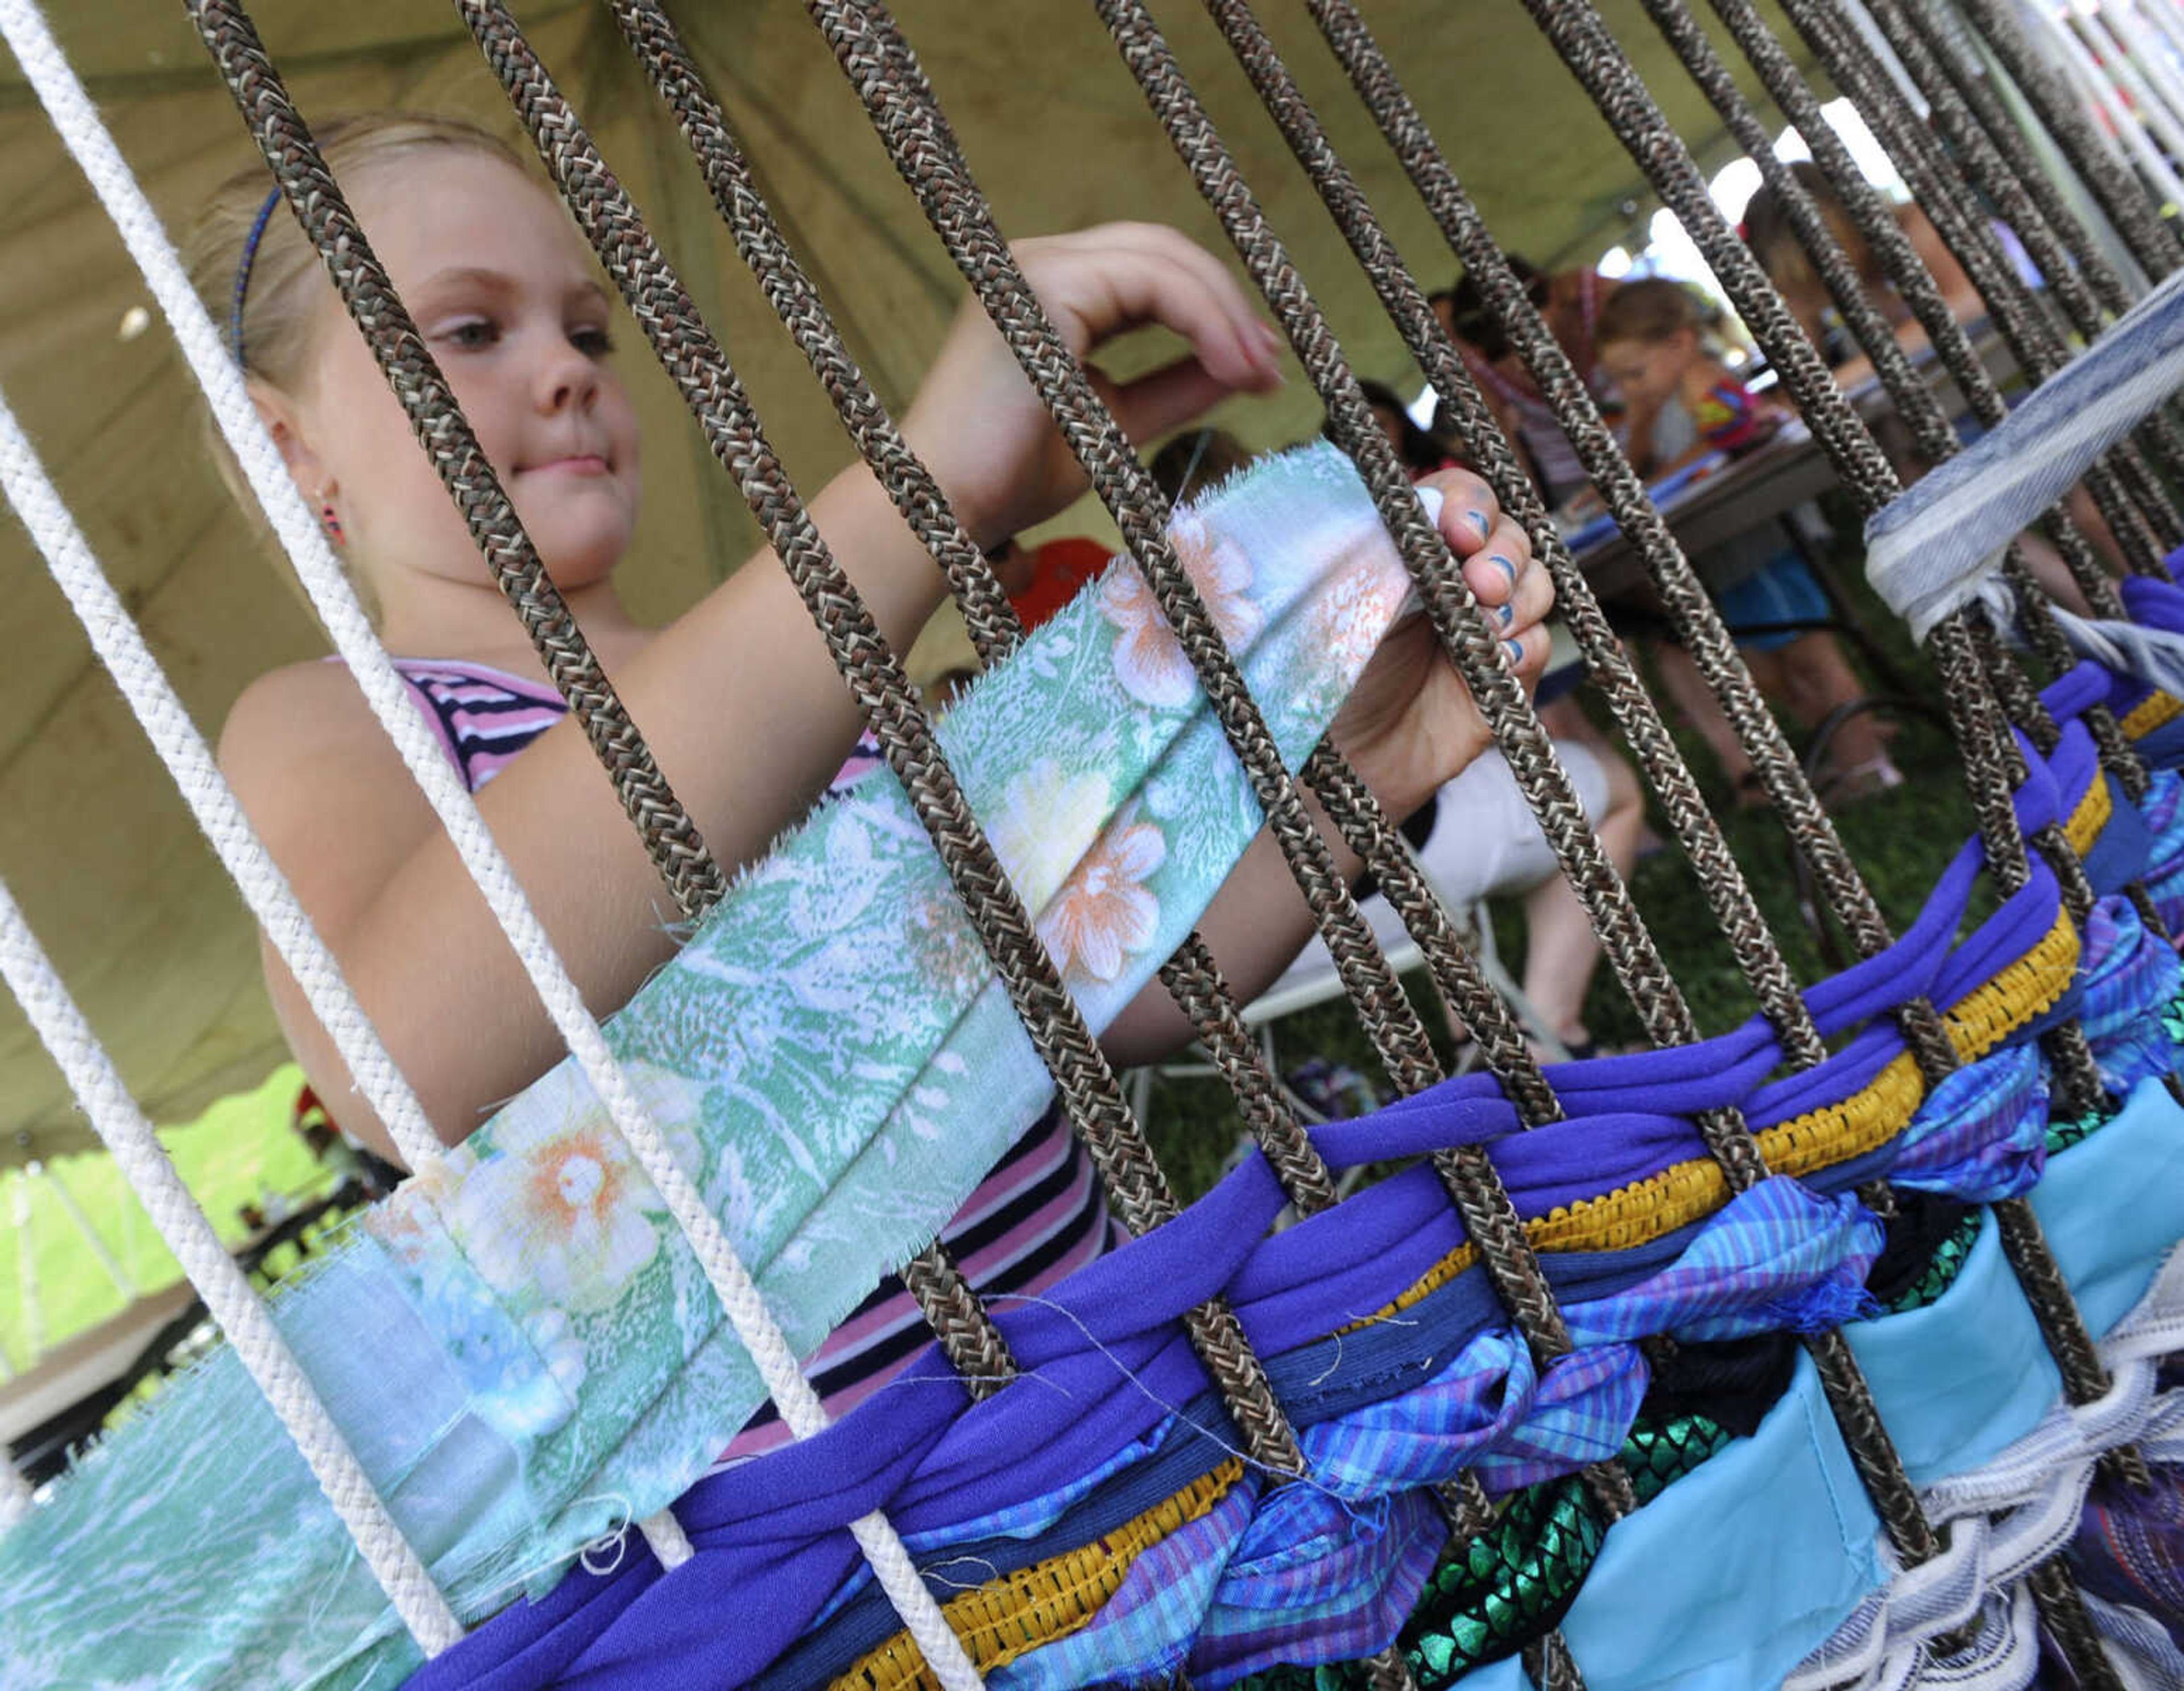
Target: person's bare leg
{"x": 1681, "y": 680}
{"x": 1560, "y": 950}
{"x": 1820, "y": 680}
{"x": 2049, "y": 570}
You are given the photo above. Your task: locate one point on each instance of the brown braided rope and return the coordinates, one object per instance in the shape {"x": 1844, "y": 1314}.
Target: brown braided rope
{"x": 1945, "y": 42}
{"x": 1698, "y": 622}
{"x": 2115, "y": 188}
{"x": 1191, "y": 977}
{"x": 1090, "y": 1095}
{"x": 959, "y": 216}
{"x": 1736, "y": 913}
{"x": 2083, "y": 282}
{"x": 2063, "y": 1612}
{"x": 943, "y": 189}
{"x": 1308, "y": 1184}
{"x": 1490, "y": 1217}
{"x": 1930, "y": 427}
{"x": 2021, "y": 321}
{"x": 1593, "y": 55}
{"x": 948, "y": 202}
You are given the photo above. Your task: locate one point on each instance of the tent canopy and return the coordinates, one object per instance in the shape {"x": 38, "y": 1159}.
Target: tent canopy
{"x": 93, "y": 840}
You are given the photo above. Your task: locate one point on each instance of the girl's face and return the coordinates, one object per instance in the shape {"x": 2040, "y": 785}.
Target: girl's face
{"x": 1646, "y": 372}
{"x": 502, "y": 289}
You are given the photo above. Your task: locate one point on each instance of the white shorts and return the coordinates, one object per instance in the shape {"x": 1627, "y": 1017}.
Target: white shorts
{"x": 1486, "y": 844}
{"x": 1485, "y": 841}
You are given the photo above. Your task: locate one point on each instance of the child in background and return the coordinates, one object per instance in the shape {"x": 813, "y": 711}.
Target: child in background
{"x": 1681, "y": 403}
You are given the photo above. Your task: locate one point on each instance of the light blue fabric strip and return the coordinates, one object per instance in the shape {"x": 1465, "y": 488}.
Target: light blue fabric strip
{"x": 1929, "y": 549}
{"x": 1733, "y": 1575}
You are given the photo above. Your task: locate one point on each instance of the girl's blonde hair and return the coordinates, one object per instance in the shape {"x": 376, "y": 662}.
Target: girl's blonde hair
{"x": 276, "y": 297}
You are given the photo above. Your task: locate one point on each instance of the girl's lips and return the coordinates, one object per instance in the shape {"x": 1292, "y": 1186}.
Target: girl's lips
{"x": 584, "y": 464}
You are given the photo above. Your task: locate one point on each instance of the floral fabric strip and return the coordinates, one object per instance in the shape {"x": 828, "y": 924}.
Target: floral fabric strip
{"x": 836, "y": 1066}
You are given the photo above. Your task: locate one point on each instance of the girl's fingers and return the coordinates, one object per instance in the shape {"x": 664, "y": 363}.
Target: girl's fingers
{"x": 1526, "y": 652}
{"x": 1513, "y": 589}
{"x": 1468, "y": 509}
{"x": 1098, "y": 282}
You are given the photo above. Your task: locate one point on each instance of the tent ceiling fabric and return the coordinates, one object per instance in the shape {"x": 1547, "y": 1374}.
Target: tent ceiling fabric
{"x": 92, "y": 839}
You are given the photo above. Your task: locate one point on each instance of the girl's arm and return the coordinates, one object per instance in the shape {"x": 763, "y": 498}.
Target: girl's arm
{"x": 737, "y": 697}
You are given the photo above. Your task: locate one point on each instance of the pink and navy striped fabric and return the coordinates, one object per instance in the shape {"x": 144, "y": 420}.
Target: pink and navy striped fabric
{"x": 1038, "y": 1216}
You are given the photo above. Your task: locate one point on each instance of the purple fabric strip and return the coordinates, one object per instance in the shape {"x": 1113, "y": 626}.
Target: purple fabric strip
{"x": 932, "y": 1457}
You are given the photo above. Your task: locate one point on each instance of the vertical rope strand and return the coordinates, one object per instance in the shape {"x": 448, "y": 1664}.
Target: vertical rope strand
{"x": 227, "y": 1292}
{"x": 1698, "y": 622}
{"x": 2077, "y": 275}
{"x": 890, "y": 84}
{"x": 1466, "y": 635}
{"x": 926, "y": 157}
{"x": 1917, "y": 404}
{"x": 2125, "y": 202}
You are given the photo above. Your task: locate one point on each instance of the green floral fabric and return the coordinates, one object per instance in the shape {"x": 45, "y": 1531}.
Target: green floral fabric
{"x": 522, "y": 1348}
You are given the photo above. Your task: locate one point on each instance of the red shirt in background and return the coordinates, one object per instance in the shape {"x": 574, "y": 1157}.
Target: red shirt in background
{"x": 1058, "y": 570}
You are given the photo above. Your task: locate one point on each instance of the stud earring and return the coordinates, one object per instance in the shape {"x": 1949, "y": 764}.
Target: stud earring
{"x": 330, "y": 520}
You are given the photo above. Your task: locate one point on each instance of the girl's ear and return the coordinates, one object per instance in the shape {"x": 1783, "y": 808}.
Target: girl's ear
{"x": 282, "y": 421}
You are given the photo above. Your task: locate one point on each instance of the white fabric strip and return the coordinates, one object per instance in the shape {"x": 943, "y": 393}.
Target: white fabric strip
{"x": 2006, "y": 1517}
{"x": 227, "y": 1294}
{"x": 81, "y": 129}
{"x": 1935, "y": 548}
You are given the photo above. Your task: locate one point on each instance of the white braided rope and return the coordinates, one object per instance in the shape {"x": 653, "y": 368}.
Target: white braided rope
{"x": 78, "y": 124}
{"x": 2006, "y": 1517}
{"x": 227, "y": 1294}
{"x": 120, "y": 645}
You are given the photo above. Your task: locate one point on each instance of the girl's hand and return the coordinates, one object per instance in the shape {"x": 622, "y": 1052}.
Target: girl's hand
{"x": 1410, "y": 724}
{"x": 978, "y": 423}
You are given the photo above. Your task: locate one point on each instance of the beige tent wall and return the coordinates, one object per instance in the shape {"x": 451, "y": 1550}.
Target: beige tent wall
{"x": 91, "y": 838}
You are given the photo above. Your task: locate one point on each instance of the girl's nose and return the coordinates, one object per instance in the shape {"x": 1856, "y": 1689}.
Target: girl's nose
{"x": 568, "y": 380}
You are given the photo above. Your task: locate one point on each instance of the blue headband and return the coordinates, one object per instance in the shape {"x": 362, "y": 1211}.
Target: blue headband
{"x": 243, "y": 272}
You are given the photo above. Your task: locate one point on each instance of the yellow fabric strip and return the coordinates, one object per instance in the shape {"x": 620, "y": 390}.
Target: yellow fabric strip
{"x": 1689, "y": 1191}
{"x": 1018, "y": 1612}
{"x": 2150, "y": 712}
{"x": 2090, "y": 816}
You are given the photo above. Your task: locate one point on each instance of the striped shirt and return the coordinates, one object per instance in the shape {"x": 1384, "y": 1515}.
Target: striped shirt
{"x": 1038, "y": 1215}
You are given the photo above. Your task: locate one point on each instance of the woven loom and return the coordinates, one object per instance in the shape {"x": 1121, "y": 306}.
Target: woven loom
{"x": 1835, "y": 1350}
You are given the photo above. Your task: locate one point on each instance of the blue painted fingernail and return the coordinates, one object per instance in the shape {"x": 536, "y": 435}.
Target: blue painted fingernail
{"x": 1505, "y": 614}
{"x": 1479, "y": 517}
{"x": 1512, "y": 652}
{"x": 1508, "y": 569}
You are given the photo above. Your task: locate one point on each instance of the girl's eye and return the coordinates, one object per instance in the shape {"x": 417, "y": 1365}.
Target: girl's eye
{"x": 473, "y": 332}
{"x": 592, "y": 342}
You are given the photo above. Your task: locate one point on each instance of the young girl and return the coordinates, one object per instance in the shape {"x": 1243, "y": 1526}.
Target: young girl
{"x": 1682, "y": 402}
{"x": 737, "y": 696}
